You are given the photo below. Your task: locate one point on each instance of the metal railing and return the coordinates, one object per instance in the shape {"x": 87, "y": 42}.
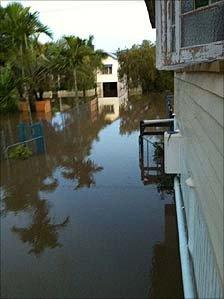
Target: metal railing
{"x": 19, "y": 143}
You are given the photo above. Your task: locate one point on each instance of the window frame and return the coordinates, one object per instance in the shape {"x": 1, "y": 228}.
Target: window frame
{"x": 204, "y": 6}
{"x": 107, "y": 67}
{"x": 182, "y": 56}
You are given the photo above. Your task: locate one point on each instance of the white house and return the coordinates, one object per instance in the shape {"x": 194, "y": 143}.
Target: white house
{"x": 190, "y": 41}
{"x": 108, "y": 83}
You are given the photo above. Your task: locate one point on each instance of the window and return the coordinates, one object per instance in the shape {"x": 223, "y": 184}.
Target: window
{"x": 200, "y": 3}
{"x": 107, "y": 69}
{"x": 190, "y": 5}
{"x": 189, "y": 31}
{"x": 201, "y": 22}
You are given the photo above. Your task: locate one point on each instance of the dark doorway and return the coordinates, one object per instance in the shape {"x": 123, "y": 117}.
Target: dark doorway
{"x": 110, "y": 89}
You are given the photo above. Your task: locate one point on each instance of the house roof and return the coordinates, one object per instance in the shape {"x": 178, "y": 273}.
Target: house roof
{"x": 112, "y": 55}
{"x": 150, "y": 4}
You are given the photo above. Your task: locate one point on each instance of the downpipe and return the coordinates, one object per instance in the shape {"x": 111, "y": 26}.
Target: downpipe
{"x": 186, "y": 267}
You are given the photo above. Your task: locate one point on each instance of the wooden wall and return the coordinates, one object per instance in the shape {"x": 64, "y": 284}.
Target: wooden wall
{"x": 199, "y": 98}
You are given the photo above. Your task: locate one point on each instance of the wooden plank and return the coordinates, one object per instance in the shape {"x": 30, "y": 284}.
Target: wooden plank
{"x": 202, "y": 139}
{"x": 211, "y": 127}
{"x": 212, "y": 82}
{"x": 212, "y": 212}
{"x": 211, "y": 103}
{"x": 201, "y": 250}
{"x": 216, "y": 66}
{"x": 204, "y": 162}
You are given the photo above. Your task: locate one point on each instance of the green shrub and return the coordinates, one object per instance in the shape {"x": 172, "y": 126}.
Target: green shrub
{"x": 20, "y": 152}
{"x": 8, "y": 93}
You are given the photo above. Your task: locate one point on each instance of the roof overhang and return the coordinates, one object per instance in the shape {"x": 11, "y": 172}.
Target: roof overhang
{"x": 150, "y": 4}
{"x": 112, "y": 55}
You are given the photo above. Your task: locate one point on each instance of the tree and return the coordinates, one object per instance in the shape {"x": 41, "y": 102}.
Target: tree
{"x": 138, "y": 65}
{"x": 31, "y": 67}
{"x": 129, "y": 64}
{"x": 8, "y": 91}
{"x": 39, "y": 74}
{"x": 77, "y": 60}
{"x": 87, "y": 71}
{"x": 72, "y": 51}
{"x": 19, "y": 28}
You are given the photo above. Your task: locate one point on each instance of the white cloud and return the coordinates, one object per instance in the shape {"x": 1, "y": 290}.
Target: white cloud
{"x": 114, "y": 24}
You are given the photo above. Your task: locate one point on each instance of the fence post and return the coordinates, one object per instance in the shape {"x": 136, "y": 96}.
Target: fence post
{"x": 37, "y": 131}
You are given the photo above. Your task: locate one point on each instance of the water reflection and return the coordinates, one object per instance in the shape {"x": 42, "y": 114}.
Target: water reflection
{"x": 82, "y": 209}
{"x": 151, "y": 163}
{"x": 111, "y": 107}
{"x": 136, "y": 108}
{"x": 81, "y": 171}
{"x": 42, "y": 233}
{"x": 166, "y": 253}
{"x": 22, "y": 186}
{"x": 69, "y": 137}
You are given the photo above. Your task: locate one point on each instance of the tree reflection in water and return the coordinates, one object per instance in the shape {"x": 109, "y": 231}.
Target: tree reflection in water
{"x": 32, "y": 177}
{"x": 137, "y": 106}
{"x": 41, "y": 233}
{"x": 25, "y": 182}
{"x": 83, "y": 171}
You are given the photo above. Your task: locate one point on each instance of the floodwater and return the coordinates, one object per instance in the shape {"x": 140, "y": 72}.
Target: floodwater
{"x": 79, "y": 220}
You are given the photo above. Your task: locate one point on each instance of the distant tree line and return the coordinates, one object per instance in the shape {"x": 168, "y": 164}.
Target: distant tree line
{"x": 28, "y": 67}
{"x": 138, "y": 65}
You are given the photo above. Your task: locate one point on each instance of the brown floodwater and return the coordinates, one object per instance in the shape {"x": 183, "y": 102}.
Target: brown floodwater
{"x": 79, "y": 221}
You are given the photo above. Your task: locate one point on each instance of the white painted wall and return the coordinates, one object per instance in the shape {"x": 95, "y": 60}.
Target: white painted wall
{"x": 104, "y": 78}
{"x": 199, "y": 103}
{"x": 109, "y": 77}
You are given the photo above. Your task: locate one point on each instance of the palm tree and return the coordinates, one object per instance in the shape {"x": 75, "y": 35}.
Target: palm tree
{"x": 19, "y": 28}
{"x": 72, "y": 51}
{"x": 39, "y": 69}
{"x": 8, "y": 91}
{"x": 77, "y": 56}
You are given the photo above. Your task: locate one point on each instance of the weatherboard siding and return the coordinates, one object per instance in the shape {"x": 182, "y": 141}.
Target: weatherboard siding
{"x": 199, "y": 99}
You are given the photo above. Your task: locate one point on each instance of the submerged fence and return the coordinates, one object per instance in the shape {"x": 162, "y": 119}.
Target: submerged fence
{"x": 31, "y": 136}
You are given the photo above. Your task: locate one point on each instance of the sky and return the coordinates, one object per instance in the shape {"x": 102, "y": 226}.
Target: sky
{"x": 114, "y": 24}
